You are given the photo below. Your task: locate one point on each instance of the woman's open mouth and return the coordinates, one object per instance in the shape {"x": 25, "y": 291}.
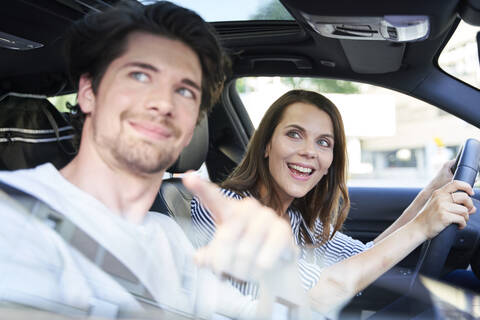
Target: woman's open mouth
{"x": 300, "y": 171}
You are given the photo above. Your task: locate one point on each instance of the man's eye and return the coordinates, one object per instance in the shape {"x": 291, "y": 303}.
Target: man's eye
{"x": 187, "y": 93}
{"x": 140, "y": 76}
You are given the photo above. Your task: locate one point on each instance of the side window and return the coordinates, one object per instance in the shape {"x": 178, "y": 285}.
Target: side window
{"x": 393, "y": 140}
{"x": 60, "y": 102}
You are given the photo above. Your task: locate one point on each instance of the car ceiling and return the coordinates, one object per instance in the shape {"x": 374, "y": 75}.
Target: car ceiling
{"x": 257, "y": 47}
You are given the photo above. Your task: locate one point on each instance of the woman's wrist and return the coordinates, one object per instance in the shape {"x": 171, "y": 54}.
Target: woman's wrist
{"x": 418, "y": 229}
{"x": 417, "y": 204}
{"x": 422, "y": 198}
{"x": 428, "y": 190}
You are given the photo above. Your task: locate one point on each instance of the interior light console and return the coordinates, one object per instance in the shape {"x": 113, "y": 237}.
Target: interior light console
{"x": 16, "y": 43}
{"x": 396, "y": 28}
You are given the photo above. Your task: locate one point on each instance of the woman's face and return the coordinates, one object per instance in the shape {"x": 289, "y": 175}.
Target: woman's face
{"x": 300, "y": 151}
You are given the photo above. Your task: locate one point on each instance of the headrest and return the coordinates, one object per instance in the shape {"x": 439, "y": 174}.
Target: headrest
{"x": 32, "y": 132}
{"x": 195, "y": 152}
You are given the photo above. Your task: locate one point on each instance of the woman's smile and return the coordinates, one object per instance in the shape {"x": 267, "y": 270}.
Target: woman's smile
{"x": 300, "y": 172}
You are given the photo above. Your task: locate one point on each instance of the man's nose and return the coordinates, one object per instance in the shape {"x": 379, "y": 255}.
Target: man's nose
{"x": 161, "y": 101}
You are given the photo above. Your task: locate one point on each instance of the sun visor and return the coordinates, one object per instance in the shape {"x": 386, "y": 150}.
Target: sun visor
{"x": 373, "y": 56}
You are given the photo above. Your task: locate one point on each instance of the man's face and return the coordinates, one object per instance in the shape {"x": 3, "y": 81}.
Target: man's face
{"x": 146, "y": 106}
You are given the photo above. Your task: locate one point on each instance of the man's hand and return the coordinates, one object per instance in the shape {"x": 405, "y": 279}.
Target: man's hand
{"x": 250, "y": 238}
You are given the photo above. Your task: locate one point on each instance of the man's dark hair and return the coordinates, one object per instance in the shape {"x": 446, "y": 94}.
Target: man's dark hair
{"x": 99, "y": 38}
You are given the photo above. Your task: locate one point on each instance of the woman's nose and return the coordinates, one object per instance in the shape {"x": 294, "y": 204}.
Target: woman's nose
{"x": 309, "y": 149}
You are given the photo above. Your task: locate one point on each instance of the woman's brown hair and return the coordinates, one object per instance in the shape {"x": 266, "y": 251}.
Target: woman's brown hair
{"x": 328, "y": 200}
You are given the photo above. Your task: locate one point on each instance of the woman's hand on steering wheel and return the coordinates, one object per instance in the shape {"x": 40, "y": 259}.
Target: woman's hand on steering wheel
{"x": 448, "y": 204}
{"x": 443, "y": 176}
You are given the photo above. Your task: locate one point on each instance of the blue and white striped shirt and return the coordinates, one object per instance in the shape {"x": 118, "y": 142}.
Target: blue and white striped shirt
{"x": 313, "y": 258}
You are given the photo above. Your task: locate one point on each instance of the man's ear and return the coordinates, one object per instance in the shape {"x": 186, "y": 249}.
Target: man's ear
{"x": 85, "y": 96}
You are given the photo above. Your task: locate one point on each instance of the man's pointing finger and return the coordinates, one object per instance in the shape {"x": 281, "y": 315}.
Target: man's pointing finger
{"x": 209, "y": 194}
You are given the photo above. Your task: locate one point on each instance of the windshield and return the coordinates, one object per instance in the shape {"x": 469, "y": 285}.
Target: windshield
{"x": 460, "y": 58}
{"x": 233, "y": 10}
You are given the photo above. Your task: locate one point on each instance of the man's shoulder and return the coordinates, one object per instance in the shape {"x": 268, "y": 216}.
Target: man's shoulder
{"x": 42, "y": 173}
{"x": 170, "y": 228}
{"x": 42, "y": 179}
{"x": 160, "y": 220}
{"x": 44, "y": 183}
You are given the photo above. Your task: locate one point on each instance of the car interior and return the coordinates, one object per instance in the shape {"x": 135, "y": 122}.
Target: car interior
{"x": 389, "y": 44}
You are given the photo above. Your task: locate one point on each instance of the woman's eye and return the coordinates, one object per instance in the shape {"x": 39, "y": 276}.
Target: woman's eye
{"x": 324, "y": 143}
{"x": 293, "y": 134}
{"x": 187, "y": 93}
{"x": 140, "y": 76}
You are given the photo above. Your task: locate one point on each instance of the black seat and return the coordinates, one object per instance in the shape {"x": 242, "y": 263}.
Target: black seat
{"x": 173, "y": 198}
{"x": 32, "y": 132}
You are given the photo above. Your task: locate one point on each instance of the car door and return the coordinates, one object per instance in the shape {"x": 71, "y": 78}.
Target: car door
{"x": 373, "y": 209}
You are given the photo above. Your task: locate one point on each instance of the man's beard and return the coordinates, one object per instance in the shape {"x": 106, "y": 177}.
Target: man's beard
{"x": 138, "y": 155}
{"x": 143, "y": 156}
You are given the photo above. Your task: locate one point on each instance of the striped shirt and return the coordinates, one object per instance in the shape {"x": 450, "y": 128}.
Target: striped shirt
{"x": 313, "y": 258}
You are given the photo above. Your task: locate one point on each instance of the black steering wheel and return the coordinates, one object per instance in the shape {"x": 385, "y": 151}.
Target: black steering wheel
{"x": 435, "y": 251}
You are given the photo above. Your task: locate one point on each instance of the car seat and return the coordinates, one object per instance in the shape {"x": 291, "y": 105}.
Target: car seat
{"x": 32, "y": 132}
{"x": 173, "y": 198}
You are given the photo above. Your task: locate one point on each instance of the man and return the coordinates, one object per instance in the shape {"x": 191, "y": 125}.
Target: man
{"x": 145, "y": 75}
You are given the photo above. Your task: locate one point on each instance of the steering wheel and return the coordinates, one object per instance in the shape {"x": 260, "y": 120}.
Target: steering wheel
{"x": 435, "y": 251}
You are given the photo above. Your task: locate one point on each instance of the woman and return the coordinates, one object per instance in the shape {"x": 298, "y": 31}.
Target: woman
{"x": 296, "y": 164}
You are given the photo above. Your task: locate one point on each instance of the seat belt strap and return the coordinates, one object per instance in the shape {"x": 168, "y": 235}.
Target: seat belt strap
{"x": 80, "y": 240}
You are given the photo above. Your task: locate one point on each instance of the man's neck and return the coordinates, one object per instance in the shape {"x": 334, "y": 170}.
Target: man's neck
{"x": 121, "y": 191}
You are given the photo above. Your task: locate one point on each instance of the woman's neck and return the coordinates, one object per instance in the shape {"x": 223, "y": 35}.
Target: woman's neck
{"x": 285, "y": 201}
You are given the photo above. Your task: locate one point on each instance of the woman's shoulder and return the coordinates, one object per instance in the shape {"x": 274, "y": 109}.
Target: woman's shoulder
{"x": 319, "y": 229}
{"x": 227, "y": 193}
{"x": 340, "y": 238}
{"x": 201, "y": 215}
{"x": 235, "y": 194}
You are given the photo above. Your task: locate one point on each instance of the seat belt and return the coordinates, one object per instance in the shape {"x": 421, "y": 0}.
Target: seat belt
{"x": 82, "y": 242}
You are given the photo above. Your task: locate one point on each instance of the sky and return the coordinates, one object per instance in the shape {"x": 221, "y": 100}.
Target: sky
{"x": 215, "y": 10}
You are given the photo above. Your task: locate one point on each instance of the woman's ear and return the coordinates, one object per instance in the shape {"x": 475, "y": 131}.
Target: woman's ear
{"x": 85, "y": 96}
{"x": 267, "y": 150}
